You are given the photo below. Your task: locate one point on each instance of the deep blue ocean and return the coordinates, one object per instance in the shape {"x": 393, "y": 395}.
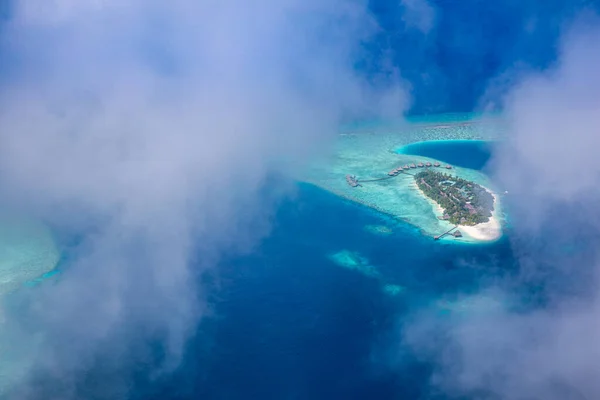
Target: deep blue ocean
{"x": 290, "y": 324}
{"x": 473, "y": 154}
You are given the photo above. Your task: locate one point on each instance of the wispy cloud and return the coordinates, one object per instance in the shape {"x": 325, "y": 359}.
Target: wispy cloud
{"x": 162, "y": 121}
{"x": 550, "y": 166}
{"x": 419, "y": 14}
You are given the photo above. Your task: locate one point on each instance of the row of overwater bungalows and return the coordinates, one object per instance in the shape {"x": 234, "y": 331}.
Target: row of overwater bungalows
{"x": 396, "y": 171}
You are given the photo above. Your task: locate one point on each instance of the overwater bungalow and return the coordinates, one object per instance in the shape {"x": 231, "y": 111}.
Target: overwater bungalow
{"x": 437, "y": 164}
{"x": 392, "y": 172}
{"x": 420, "y": 165}
{"x": 428, "y": 164}
{"x": 406, "y": 166}
{"x": 413, "y": 166}
{"x": 457, "y": 233}
{"x": 352, "y": 181}
{"x": 448, "y": 167}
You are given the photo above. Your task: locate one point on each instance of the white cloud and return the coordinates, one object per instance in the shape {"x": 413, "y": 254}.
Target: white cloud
{"x": 551, "y": 168}
{"x": 162, "y": 120}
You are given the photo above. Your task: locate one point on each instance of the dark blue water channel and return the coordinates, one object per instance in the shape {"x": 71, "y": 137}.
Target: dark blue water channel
{"x": 473, "y": 154}
{"x": 291, "y": 324}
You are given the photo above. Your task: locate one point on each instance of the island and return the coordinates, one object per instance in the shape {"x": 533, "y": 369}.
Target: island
{"x": 368, "y": 165}
{"x": 463, "y": 202}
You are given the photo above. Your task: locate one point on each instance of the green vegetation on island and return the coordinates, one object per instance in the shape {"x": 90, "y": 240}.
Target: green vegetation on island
{"x": 464, "y": 202}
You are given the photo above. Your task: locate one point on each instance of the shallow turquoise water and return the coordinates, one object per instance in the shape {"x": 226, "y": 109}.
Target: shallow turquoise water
{"x": 473, "y": 154}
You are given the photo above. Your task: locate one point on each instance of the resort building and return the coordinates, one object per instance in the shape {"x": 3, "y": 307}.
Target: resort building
{"x": 352, "y": 181}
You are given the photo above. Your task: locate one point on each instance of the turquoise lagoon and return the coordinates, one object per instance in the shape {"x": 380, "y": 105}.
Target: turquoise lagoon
{"x": 371, "y": 153}
{"x": 28, "y": 254}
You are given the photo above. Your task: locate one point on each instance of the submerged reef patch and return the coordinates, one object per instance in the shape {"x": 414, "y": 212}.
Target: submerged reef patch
{"x": 380, "y": 230}
{"x": 354, "y": 261}
{"x": 393, "y": 290}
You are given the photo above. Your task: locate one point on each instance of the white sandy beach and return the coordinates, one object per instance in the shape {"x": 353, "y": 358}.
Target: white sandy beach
{"x": 487, "y": 231}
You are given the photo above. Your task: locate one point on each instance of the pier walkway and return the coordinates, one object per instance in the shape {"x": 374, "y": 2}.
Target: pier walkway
{"x": 384, "y": 178}
{"x": 355, "y": 182}
{"x": 445, "y": 233}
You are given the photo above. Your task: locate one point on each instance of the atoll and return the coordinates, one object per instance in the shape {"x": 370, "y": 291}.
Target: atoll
{"x": 369, "y": 155}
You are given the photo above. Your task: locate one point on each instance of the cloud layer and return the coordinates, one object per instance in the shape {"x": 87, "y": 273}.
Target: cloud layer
{"x": 158, "y": 124}
{"x": 550, "y": 167}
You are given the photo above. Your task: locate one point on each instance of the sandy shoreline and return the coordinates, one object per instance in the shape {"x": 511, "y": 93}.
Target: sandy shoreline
{"x": 484, "y": 232}
{"x": 487, "y": 231}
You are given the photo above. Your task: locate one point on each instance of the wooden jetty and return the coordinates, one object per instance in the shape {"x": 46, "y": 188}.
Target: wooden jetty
{"x": 448, "y": 232}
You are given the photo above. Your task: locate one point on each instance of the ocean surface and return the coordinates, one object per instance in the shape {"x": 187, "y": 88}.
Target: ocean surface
{"x": 292, "y": 323}
{"x": 472, "y": 154}
{"x": 317, "y": 310}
